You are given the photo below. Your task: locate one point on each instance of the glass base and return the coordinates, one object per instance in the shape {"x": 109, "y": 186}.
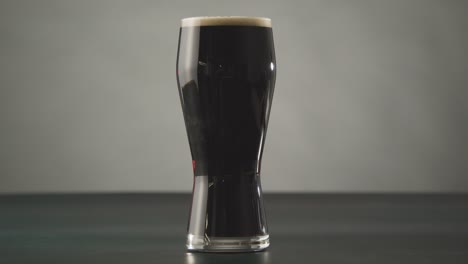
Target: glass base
{"x": 227, "y": 244}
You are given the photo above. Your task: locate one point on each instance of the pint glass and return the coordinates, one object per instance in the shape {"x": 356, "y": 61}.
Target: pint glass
{"x": 226, "y": 72}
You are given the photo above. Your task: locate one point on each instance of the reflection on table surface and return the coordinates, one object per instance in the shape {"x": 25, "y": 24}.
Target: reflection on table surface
{"x": 243, "y": 258}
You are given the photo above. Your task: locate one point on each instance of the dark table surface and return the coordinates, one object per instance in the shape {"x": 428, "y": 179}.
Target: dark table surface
{"x": 304, "y": 228}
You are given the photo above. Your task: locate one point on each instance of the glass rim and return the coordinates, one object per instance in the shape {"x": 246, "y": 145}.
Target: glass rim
{"x": 226, "y": 21}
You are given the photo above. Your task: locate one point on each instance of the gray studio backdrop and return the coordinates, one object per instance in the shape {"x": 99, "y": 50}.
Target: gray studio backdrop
{"x": 370, "y": 95}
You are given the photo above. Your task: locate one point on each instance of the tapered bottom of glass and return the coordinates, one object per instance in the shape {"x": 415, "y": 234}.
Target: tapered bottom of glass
{"x": 227, "y": 244}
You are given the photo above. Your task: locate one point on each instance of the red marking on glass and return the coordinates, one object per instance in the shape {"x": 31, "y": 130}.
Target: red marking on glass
{"x": 194, "y": 164}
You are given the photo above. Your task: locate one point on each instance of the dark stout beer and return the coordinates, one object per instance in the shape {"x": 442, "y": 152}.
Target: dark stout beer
{"x": 226, "y": 75}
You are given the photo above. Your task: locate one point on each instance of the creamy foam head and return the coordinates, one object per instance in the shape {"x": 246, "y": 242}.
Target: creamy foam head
{"x": 226, "y": 21}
